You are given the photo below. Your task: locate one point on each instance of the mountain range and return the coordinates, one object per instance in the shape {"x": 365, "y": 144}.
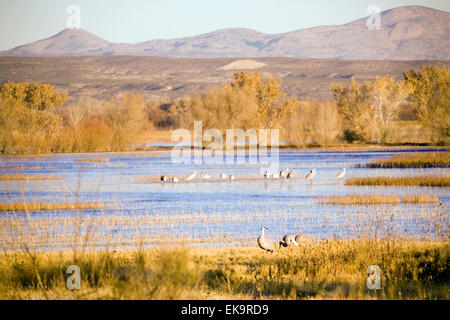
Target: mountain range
{"x": 406, "y": 33}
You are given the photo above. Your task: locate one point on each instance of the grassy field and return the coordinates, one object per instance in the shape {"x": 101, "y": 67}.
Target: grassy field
{"x": 38, "y": 206}
{"x": 413, "y": 160}
{"x": 335, "y": 269}
{"x": 361, "y": 199}
{"x": 400, "y": 181}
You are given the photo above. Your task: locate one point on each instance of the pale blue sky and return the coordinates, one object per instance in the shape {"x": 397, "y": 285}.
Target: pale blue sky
{"x": 131, "y": 21}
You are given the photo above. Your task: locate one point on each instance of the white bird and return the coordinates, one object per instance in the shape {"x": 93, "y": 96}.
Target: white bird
{"x": 340, "y": 174}
{"x": 164, "y": 178}
{"x": 231, "y": 177}
{"x": 283, "y": 172}
{"x": 264, "y": 243}
{"x": 290, "y": 174}
{"x": 205, "y": 176}
{"x": 175, "y": 179}
{"x": 311, "y": 174}
{"x": 288, "y": 240}
{"x": 223, "y": 176}
{"x": 276, "y": 176}
{"x": 266, "y": 175}
{"x": 191, "y": 176}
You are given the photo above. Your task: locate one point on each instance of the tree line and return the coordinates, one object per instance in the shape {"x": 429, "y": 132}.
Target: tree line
{"x": 36, "y": 118}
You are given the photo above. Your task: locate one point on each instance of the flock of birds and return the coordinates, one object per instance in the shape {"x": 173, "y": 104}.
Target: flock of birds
{"x": 191, "y": 177}
{"x": 285, "y": 173}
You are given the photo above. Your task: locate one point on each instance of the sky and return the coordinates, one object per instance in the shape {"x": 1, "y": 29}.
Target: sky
{"x": 131, "y": 21}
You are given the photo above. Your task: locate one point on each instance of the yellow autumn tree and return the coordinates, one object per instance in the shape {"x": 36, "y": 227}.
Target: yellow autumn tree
{"x": 385, "y": 97}
{"x": 353, "y": 105}
{"x": 271, "y": 101}
{"x": 431, "y": 95}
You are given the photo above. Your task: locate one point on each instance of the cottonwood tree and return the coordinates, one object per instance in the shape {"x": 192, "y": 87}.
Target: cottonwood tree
{"x": 35, "y": 96}
{"x": 272, "y": 102}
{"x": 385, "y": 97}
{"x": 354, "y": 107}
{"x": 431, "y": 95}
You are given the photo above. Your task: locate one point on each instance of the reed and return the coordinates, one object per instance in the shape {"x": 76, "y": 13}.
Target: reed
{"x": 363, "y": 199}
{"x": 38, "y": 206}
{"x": 27, "y": 177}
{"x": 413, "y": 160}
{"x": 424, "y": 181}
{"x": 329, "y": 270}
{"x": 91, "y": 160}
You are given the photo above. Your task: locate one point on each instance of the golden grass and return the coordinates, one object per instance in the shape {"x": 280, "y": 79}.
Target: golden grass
{"x": 329, "y": 270}
{"x": 27, "y": 177}
{"x": 91, "y": 160}
{"x": 424, "y": 181}
{"x": 362, "y": 199}
{"x": 38, "y": 206}
{"x": 413, "y": 160}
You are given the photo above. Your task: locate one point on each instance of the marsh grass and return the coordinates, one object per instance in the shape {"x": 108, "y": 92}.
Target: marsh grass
{"x": 38, "y": 206}
{"x": 27, "y": 177}
{"x": 413, "y": 160}
{"x": 425, "y": 181}
{"x": 362, "y": 199}
{"x": 330, "y": 270}
{"x": 91, "y": 160}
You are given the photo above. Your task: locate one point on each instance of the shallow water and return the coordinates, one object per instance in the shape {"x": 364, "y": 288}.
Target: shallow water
{"x": 233, "y": 209}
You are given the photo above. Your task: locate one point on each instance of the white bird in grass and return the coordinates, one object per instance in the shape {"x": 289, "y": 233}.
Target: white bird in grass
{"x": 288, "y": 240}
{"x": 191, "y": 176}
{"x": 340, "y": 174}
{"x": 276, "y": 176}
{"x": 311, "y": 174}
{"x": 266, "y": 175}
{"x": 205, "y": 176}
{"x": 231, "y": 177}
{"x": 223, "y": 176}
{"x": 164, "y": 178}
{"x": 265, "y": 243}
{"x": 290, "y": 174}
{"x": 175, "y": 179}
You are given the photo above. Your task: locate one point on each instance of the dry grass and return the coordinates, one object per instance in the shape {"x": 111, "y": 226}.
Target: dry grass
{"x": 413, "y": 160}
{"x": 38, "y": 206}
{"x": 27, "y": 177}
{"x": 362, "y": 199}
{"x": 330, "y": 270}
{"x": 425, "y": 181}
{"x": 91, "y": 160}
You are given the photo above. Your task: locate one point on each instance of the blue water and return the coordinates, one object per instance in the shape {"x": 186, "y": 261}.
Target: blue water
{"x": 286, "y": 206}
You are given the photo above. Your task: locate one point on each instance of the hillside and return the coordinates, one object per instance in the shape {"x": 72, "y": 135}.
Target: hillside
{"x": 406, "y": 33}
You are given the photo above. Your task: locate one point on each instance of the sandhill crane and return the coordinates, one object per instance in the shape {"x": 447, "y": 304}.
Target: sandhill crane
{"x": 231, "y": 177}
{"x": 205, "y": 176}
{"x": 164, "y": 178}
{"x": 283, "y": 172}
{"x": 175, "y": 179}
{"x": 311, "y": 174}
{"x": 290, "y": 174}
{"x": 223, "y": 176}
{"x": 264, "y": 243}
{"x": 191, "y": 176}
{"x": 288, "y": 240}
{"x": 340, "y": 174}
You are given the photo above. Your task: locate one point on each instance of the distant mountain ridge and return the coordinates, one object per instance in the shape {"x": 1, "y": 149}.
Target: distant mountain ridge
{"x": 406, "y": 33}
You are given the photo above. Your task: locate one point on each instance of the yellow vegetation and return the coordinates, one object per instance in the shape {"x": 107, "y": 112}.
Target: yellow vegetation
{"x": 361, "y": 199}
